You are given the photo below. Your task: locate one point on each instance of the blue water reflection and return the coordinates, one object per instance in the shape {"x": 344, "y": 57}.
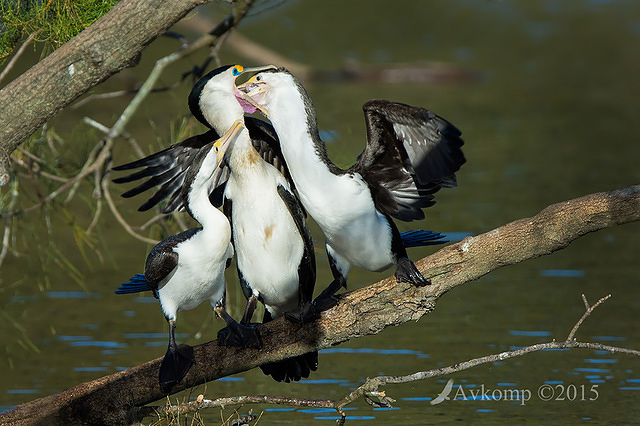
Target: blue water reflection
{"x": 71, "y": 295}
{"x": 374, "y": 351}
{"x": 530, "y": 333}
{"x": 562, "y": 273}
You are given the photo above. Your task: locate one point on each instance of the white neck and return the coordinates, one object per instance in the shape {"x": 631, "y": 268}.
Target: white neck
{"x": 308, "y": 169}
{"x": 198, "y": 198}
{"x": 221, "y": 110}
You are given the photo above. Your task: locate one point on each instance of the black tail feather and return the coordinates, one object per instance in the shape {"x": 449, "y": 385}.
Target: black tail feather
{"x": 419, "y": 238}
{"x": 137, "y": 284}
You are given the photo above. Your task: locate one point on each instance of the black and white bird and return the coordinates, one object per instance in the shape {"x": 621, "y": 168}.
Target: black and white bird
{"x": 186, "y": 269}
{"x": 410, "y": 154}
{"x": 273, "y": 246}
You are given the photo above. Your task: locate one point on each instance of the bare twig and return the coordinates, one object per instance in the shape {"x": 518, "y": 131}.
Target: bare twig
{"x": 98, "y": 96}
{"x": 40, "y": 172}
{"x": 105, "y": 152}
{"x": 586, "y": 314}
{"x": 118, "y": 216}
{"x": 150, "y": 222}
{"x": 8, "y": 224}
{"x": 17, "y": 55}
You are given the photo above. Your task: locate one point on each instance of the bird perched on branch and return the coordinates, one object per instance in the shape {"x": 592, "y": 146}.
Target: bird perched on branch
{"x": 410, "y": 154}
{"x": 274, "y": 249}
{"x": 186, "y": 269}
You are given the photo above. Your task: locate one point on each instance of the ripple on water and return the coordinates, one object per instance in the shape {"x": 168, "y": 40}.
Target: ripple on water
{"x": 563, "y": 273}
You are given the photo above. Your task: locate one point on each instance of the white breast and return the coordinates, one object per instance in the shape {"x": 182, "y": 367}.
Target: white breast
{"x": 352, "y": 226}
{"x": 267, "y": 243}
{"x": 199, "y": 275}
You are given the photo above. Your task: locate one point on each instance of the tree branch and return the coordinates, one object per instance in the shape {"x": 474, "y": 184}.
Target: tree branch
{"x": 112, "y": 43}
{"x": 117, "y": 398}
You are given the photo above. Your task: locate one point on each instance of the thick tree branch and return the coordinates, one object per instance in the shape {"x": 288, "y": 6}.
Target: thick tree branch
{"x": 112, "y": 43}
{"x": 117, "y": 398}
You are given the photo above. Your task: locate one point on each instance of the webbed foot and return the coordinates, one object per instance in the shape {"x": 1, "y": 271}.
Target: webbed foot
{"x": 240, "y": 336}
{"x": 408, "y": 273}
{"x": 175, "y": 365}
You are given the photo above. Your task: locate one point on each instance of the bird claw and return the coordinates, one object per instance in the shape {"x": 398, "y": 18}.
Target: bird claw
{"x": 310, "y": 311}
{"x": 240, "y": 336}
{"x": 408, "y": 273}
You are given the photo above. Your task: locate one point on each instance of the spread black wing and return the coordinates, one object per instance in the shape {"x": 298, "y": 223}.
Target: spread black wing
{"x": 411, "y": 153}
{"x": 168, "y": 168}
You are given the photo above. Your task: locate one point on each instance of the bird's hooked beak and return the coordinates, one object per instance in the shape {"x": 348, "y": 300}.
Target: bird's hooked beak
{"x": 222, "y": 145}
{"x": 253, "y": 93}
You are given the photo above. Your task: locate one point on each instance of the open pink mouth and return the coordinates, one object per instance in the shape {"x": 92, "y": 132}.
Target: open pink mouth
{"x": 246, "y": 106}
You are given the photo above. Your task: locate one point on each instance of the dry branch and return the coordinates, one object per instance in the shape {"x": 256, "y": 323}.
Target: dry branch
{"x": 117, "y": 398}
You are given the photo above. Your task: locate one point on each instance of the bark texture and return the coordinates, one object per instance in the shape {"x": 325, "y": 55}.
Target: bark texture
{"x": 112, "y": 43}
{"x": 119, "y": 398}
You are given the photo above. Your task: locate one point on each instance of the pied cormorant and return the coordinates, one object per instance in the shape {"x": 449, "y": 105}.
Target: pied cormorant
{"x": 274, "y": 249}
{"x": 186, "y": 269}
{"x": 410, "y": 154}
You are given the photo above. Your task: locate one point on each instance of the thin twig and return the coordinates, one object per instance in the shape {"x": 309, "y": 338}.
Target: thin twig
{"x": 585, "y": 315}
{"x": 104, "y": 153}
{"x": 97, "y": 195}
{"x": 40, "y": 172}
{"x": 91, "y": 161}
{"x": 150, "y": 222}
{"x": 118, "y": 216}
{"x": 17, "y": 55}
{"x": 98, "y": 96}
{"x": 8, "y": 223}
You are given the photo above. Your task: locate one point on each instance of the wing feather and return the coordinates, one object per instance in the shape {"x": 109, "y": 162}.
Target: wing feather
{"x": 411, "y": 153}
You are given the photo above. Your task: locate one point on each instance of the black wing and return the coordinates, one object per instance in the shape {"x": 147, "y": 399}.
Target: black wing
{"x": 411, "y": 153}
{"x": 163, "y": 259}
{"x": 307, "y": 266}
{"x": 168, "y": 167}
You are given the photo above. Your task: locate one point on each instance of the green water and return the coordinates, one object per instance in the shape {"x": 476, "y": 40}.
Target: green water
{"x": 549, "y": 115}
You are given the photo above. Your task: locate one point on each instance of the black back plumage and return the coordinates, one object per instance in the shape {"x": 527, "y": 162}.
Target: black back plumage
{"x": 161, "y": 261}
{"x": 167, "y": 169}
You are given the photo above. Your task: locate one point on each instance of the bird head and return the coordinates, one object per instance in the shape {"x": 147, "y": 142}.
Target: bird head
{"x": 215, "y": 101}
{"x": 267, "y": 88}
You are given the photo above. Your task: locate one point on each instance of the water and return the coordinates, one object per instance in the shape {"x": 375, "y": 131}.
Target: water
{"x": 550, "y": 115}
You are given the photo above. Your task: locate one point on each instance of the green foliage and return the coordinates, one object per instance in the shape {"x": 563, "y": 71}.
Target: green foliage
{"x": 56, "y": 21}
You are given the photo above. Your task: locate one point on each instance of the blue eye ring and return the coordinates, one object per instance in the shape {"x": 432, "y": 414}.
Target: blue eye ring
{"x": 235, "y": 71}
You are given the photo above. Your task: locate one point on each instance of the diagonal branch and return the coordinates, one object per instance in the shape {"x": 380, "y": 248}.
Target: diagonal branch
{"x": 117, "y": 398}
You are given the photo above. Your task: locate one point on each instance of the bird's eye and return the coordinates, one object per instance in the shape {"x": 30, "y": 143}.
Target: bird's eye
{"x": 259, "y": 78}
{"x": 236, "y": 71}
